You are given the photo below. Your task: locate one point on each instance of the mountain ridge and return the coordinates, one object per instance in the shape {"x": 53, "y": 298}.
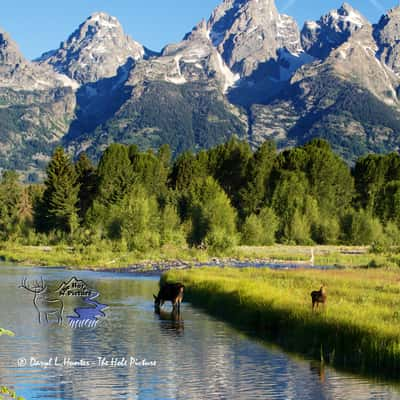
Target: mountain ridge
{"x": 247, "y": 71}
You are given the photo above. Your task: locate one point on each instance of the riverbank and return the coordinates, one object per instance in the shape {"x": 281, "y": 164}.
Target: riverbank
{"x": 358, "y": 330}
{"x": 170, "y": 257}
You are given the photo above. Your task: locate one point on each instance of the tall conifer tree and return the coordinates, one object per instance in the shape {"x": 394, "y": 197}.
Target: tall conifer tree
{"x": 87, "y": 179}
{"x": 115, "y": 174}
{"x": 60, "y": 198}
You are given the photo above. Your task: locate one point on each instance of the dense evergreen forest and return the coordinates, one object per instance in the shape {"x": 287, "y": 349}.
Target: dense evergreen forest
{"x": 214, "y": 199}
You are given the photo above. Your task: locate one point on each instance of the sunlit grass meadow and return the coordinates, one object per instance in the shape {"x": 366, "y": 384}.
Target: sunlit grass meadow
{"x": 359, "y": 328}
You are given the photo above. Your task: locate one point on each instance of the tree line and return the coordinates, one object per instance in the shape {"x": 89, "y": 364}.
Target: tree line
{"x": 215, "y": 199}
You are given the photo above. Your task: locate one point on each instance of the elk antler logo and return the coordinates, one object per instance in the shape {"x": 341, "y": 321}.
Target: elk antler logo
{"x": 45, "y": 306}
{"x": 84, "y": 316}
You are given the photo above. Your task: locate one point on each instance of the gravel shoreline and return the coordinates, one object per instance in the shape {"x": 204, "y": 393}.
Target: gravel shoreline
{"x": 158, "y": 268}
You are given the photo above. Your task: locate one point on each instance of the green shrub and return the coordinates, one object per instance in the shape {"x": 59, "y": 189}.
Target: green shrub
{"x": 360, "y": 228}
{"x": 260, "y": 230}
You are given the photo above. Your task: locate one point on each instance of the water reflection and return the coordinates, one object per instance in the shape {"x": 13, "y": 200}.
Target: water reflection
{"x": 170, "y": 321}
{"x": 318, "y": 369}
{"x": 196, "y": 356}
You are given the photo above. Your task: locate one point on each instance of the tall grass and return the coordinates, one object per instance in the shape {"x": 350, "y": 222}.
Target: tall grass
{"x": 359, "y": 329}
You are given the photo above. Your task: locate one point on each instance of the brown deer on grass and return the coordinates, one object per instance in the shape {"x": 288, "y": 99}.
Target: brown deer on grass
{"x": 318, "y": 296}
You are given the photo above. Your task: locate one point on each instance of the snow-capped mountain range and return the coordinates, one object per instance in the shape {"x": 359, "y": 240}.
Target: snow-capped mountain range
{"x": 248, "y": 70}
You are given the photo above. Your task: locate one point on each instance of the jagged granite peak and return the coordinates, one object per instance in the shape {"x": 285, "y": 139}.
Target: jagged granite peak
{"x": 9, "y": 51}
{"x": 318, "y": 38}
{"x": 95, "y": 50}
{"x": 251, "y": 32}
{"x": 176, "y": 98}
{"x": 17, "y": 73}
{"x": 355, "y": 61}
{"x": 200, "y": 30}
{"x": 194, "y": 59}
{"x": 37, "y": 106}
{"x": 350, "y": 98}
{"x": 387, "y": 36}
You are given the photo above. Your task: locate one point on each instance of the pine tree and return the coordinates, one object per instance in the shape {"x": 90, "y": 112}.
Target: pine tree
{"x": 258, "y": 173}
{"x": 115, "y": 174}
{"x": 60, "y": 198}
{"x": 184, "y": 171}
{"x": 10, "y": 202}
{"x": 228, "y": 164}
{"x": 87, "y": 180}
{"x": 151, "y": 171}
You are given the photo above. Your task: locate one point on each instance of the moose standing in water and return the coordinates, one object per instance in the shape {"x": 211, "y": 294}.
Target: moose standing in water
{"x": 318, "y": 296}
{"x": 172, "y": 292}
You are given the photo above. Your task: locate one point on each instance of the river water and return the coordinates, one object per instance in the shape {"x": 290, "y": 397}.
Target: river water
{"x": 133, "y": 353}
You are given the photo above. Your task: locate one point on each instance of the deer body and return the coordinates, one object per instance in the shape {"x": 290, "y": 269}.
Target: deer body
{"x": 42, "y": 303}
{"x": 318, "y": 296}
{"x": 172, "y": 292}
{"x": 47, "y": 306}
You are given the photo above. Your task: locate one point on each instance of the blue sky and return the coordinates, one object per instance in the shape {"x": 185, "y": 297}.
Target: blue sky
{"x": 41, "y": 25}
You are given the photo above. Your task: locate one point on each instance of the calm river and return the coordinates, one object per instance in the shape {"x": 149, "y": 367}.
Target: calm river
{"x": 134, "y": 354}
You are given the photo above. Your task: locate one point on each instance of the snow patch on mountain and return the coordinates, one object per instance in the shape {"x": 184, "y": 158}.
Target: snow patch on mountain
{"x": 319, "y": 38}
{"x": 96, "y": 50}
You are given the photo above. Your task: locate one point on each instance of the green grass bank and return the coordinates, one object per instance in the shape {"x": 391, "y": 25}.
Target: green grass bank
{"x": 359, "y": 329}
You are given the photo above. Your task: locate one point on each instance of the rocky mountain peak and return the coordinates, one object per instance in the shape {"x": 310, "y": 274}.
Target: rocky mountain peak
{"x": 102, "y": 18}
{"x": 387, "y": 36}
{"x": 95, "y": 50}
{"x": 17, "y": 73}
{"x": 320, "y": 37}
{"x": 193, "y": 60}
{"x": 347, "y": 11}
{"x": 249, "y": 33}
{"x": 199, "y": 31}
{"x": 238, "y": 13}
{"x": 9, "y": 51}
